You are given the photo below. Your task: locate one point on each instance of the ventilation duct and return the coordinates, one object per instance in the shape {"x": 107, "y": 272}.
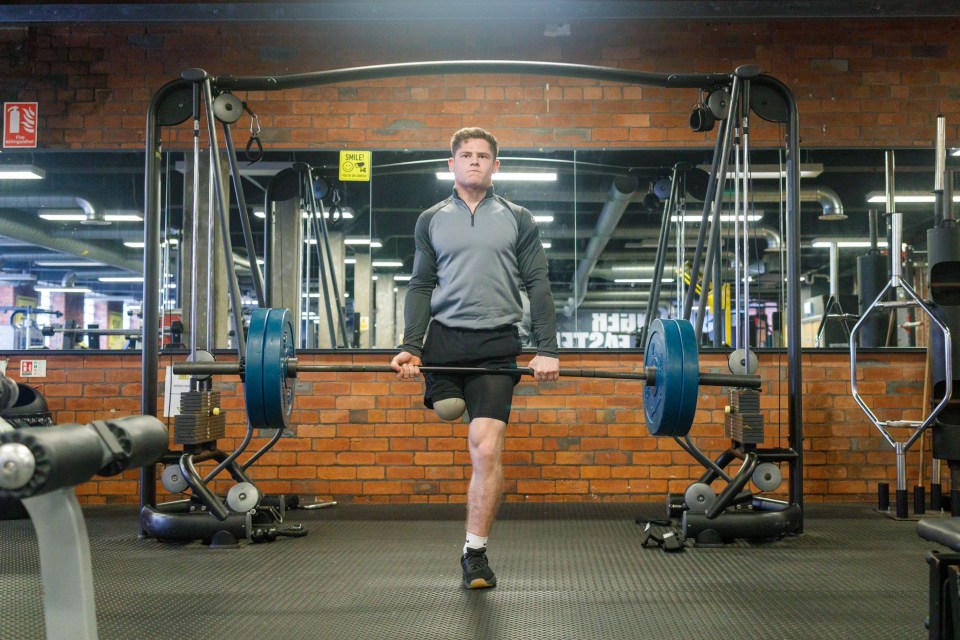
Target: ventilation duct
{"x": 621, "y": 192}
{"x": 13, "y": 226}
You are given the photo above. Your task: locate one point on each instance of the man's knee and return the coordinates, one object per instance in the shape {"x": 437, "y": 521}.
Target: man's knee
{"x": 449, "y": 409}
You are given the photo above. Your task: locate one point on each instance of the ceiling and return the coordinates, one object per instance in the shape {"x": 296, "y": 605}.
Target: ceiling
{"x": 30, "y": 11}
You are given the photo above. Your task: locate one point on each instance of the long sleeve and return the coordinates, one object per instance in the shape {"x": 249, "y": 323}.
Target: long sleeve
{"x": 416, "y": 312}
{"x": 534, "y": 273}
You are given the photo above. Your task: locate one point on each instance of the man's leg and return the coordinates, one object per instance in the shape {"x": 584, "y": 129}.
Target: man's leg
{"x": 486, "y": 484}
{"x": 483, "y": 498}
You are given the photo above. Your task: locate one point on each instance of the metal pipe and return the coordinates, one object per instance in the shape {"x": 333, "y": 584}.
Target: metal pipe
{"x": 719, "y": 150}
{"x": 896, "y": 219}
{"x": 714, "y": 239}
{"x": 244, "y": 215}
{"x": 223, "y": 209}
{"x": 834, "y": 270}
{"x": 620, "y": 194}
{"x": 661, "y": 256}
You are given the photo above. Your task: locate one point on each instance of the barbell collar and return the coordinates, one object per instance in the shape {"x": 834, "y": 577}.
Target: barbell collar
{"x": 649, "y": 375}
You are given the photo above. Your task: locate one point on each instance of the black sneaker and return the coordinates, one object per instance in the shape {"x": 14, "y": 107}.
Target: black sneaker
{"x": 477, "y": 574}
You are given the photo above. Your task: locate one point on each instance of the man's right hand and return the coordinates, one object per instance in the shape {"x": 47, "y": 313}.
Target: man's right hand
{"x": 406, "y": 365}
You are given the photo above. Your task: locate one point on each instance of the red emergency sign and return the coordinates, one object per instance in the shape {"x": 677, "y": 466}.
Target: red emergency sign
{"x": 19, "y": 125}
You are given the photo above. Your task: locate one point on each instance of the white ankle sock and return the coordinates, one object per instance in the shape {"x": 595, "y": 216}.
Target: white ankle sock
{"x": 474, "y": 542}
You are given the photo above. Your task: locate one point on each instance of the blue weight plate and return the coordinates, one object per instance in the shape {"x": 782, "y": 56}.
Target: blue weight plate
{"x": 278, "y": 388}
{"x": 253, "y": 369}
{"x": 690, "y": 360}
{"x": 661, "y": 400}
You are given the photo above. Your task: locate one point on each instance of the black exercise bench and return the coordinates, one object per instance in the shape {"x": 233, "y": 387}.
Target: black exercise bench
{"x": 944, "y": 587}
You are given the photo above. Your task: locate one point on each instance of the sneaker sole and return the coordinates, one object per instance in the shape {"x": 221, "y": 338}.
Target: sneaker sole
{"x": 480, "y": 583}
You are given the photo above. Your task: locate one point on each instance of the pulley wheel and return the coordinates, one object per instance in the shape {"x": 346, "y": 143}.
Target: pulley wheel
{"x": 743, "y": 361}
{"x": 227, "y": 108}
{"x": 243, "y": 497}
{"x": 699, "y": 497}
{"x": 719, "y": 103}
{"x": 767, "y": 476}
{"x": 173, "y": 479}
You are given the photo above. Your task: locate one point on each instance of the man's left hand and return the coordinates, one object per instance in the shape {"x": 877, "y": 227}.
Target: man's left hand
{"x": 545, "y": 368}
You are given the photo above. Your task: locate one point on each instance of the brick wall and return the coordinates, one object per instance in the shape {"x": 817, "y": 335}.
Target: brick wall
{"x": 366, "y": 437}
{"x": 858, "y": 83}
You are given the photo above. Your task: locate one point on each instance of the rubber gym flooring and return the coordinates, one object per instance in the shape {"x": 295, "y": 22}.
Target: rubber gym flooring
{"x": 564, "y": 570}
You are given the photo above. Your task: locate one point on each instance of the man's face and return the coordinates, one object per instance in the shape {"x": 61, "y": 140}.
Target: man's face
{"x": 473, "y": 164}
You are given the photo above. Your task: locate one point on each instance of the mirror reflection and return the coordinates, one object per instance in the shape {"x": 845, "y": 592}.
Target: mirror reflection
{"x": 71, "y": 272}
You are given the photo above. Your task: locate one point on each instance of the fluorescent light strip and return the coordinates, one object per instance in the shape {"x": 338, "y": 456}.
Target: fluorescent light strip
{"x": 770, "y": 171}
{"x": 63, "y": 217}
{"x": 121, "y": 279}
{"x": 641, "y": 280}
{"x": 690, "y": 218}
{"x": 543, "y": 218}
{"x": 846, "y": 244}
{"x": 345, "y": 213}
{"x": 386, "y": 263}
{"x": 122, "y": 217}
{"x": 139, "y": 244}
{"x": 511, "y": 176}
{"x": 907, "y": 198}
{"x": 67, "y": 263}
{"x": 630, "y": 267}
{"x": 21, "y": 172}
{"x": 546, "y": 244}
{"x": 374, "y": 244}
{"x": 65, "y": 289}
{"x": 401, "y": 278}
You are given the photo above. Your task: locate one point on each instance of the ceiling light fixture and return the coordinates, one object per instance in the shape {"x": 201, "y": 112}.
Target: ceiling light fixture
{"x": 772, "y": 171}
{"x": 374, "y": 244}
{"x": 826, "y": 243}
{"x": 695, "y": 218}
{"x": 21, "y": 172}
{"x": 118, "y": 216}
{"x": 67, "y": 263}
{"x": 386, "y": 263}
{"x": 64, "y": 217}
{"x": 511, "y": 176}
{"x": 909, "y": 197}
{"x": 121, "y": 279}
{"x": 65, "y": 289}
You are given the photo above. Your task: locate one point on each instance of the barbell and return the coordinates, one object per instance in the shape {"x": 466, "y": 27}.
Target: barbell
{"x": 671, "y": 373}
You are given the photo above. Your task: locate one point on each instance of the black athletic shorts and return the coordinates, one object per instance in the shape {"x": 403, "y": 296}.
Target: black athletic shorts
{"x": 486, "y": 395}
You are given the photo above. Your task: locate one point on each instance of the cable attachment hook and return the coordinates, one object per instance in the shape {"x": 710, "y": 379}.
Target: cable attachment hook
{"x": 254, "y": 148}
{"x": 336, "y": 210}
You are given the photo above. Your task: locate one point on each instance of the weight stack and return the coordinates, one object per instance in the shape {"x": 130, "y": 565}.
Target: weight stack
{"x": 200, "y": 419}
{"x": 943, "y": 245}
{"x": 872, "y": 278}
{"x": 743, "y": 422}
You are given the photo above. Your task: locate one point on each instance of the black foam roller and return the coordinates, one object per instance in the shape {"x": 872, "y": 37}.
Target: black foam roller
{"x": 66, "y": 455}
{"x": 144, "y": 438}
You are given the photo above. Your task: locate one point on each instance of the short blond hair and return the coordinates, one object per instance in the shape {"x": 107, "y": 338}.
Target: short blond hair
{"x": 471, "y": 133}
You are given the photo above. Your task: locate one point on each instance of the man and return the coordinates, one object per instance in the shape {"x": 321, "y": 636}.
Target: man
{"x": 474, "y": 250}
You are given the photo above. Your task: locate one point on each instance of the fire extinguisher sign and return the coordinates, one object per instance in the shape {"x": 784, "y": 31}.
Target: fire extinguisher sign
{"x": 19, "y": 125}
